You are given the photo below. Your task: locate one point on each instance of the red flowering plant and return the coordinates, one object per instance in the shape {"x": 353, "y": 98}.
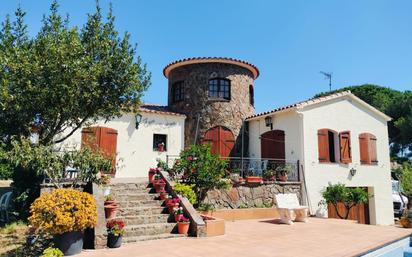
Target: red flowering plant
{"x": 115, "y": 227}
{"x": 184, "y": 219}
{"x": 198, "y": 166}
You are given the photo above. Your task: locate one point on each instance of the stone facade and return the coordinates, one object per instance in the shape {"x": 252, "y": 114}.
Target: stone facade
{"x": 212, "y": 112}
{"x": 251, "y": 196}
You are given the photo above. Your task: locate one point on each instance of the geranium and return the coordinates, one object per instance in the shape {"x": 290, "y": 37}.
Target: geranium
{"x": 63, "y": 210}
{"x": 194, "y": 170}
{"x": 190, "y": 158}
{"x": 184, "y": 219}
{"x": 153, "y": 169}
{"x": 115, "y": 227}
{"x": 175, "y": 200}
{"x": 179, "y": 211}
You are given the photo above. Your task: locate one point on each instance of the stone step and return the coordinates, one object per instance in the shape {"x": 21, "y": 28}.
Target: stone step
{"x": 132, "y": 239}
{"x": 115, "y": 191}
{"x": 137, "y": 211}
{"x": 146, "y": 203}
{"x": 130, "y": 186}
{"x": 135, "y": 197}
{"x": 150, "y": 229}
{"x": 148, "y": 219}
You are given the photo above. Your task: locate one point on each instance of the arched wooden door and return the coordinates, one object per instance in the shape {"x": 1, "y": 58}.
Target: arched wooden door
{"x": 272, "y": 144}
{"x": 102, "y": 138}
{"x": 221, "y": 139}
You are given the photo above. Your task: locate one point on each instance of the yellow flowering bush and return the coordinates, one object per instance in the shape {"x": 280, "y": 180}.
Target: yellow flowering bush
{"x": 64, "y": 210}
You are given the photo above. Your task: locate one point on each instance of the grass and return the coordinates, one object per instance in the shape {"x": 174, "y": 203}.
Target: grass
{"x": 12, "y": 237}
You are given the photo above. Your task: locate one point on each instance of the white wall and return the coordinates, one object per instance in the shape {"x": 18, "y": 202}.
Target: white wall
{"x": 289, "y": 122}
{"x": 342, "y": 115}
{"x": 135, "y": 154}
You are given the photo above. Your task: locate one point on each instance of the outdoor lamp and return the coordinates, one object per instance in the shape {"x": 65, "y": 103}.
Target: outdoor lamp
{"x": 352, "y": 172}
{"x": 138, "y": 119}
{"x": 268, "y": 122}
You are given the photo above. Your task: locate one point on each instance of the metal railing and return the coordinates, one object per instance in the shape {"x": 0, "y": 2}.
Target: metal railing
{"x": 256, "y": 166}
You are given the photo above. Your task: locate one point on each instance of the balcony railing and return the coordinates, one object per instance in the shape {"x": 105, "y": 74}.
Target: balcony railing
{"x": 257, "y": 166}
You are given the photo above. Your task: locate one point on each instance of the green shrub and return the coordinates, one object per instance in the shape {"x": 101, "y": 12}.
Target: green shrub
{"x": 186, "y": 191}
{"x": 52, "y": 252}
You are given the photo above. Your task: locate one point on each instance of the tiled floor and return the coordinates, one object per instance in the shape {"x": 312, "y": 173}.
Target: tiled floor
{"x": 318, "y": 237}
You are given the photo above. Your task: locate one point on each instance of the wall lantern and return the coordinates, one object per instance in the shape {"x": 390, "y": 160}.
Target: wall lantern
{"x": 268, "y": 122}
{"x": 34, "y": 135}
{"x": 138, "y": 119}
{"x": 352, "y": 172}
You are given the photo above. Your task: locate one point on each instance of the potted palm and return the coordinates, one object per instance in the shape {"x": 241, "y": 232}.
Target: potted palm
{"x": 115, "y": 231}
{"x": 183, "y": 225}
{"x": 65, "y": 214}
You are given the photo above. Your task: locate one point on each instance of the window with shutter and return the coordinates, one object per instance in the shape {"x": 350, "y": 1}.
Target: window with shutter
{"x": 345, "y": 147}
{"x": 323, "y": 145}
{"x": 367, "y": 147}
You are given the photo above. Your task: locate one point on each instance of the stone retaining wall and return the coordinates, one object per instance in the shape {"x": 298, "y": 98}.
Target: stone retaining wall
{"x": 251, "y": 195}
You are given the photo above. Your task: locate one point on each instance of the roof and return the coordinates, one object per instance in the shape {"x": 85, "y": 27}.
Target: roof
{"x": 194, "y": 60}
{"x": 320, "y": 100}
{"x": 159, "y": 109}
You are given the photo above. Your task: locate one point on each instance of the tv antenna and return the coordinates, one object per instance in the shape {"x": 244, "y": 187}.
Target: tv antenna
{"x": 328, "y": 75}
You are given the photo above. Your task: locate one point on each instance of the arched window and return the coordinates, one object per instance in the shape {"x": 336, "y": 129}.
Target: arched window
{"x": 178, "y": 91}
{"x": 367, "y": 147}
{"x": 251, "y": 95}
{"x": 219, "y": 89}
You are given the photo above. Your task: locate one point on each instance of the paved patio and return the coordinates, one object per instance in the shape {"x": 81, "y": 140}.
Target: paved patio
{"x": 318, "y": 237}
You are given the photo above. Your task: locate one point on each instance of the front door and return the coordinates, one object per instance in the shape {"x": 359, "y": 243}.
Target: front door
{"x": 221, "y": 140}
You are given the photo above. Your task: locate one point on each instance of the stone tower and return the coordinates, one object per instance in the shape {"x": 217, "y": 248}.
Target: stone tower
{"x": 216, "y": 94}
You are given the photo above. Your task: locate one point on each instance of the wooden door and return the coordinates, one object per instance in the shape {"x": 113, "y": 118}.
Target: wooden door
{"x": 272, "y": 144}
{"x": 359, "y": 212}
{"x": 221, "y": 140}
{"x": 102, "y": 138}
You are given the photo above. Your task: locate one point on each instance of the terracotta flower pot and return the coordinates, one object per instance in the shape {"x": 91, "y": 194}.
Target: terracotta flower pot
{"x": 405, "y": 222}
{"x": 254, "y": 179}
{"x": 111, "y": 202}
{"x": 160, "y": 186}
{"x": 178, "y": 217}
{"x": 110, "y": 211}
{"x": 183, "y": 227}
{"x": 283, "y": 177}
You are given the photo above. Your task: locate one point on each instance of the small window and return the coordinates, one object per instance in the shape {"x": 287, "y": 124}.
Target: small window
{"x": 251, "y": 95}
{"x": 367, "y": 147}
{"x": 159, "y": 142}
{"x": 178, "y": 91}
{"x": 219, "y": 89}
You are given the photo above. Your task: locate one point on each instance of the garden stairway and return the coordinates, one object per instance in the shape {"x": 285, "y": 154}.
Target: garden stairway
{"x": 142, "y": 212}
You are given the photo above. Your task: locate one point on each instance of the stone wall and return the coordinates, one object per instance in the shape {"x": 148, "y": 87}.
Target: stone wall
{"x": 251, "y": 196}
{"x": 227, "y": 113}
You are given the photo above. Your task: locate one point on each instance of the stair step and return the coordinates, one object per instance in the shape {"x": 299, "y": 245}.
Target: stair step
{"x": 130, "y": 186}
{"x": 150, "y": 229}
{"x": 148, "y": 203}
{"x": 132, "y": 239}
{"x": 148, "y": 219}
{"x": 135, "y": 197}
{"x": 136, "y": 211}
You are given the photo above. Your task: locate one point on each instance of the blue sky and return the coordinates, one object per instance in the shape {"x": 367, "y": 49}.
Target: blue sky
{"x": 289, "y": 41}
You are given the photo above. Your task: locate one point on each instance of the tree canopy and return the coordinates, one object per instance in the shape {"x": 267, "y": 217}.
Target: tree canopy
{"x": 65, "y": 77}
{"x": 394, "y": 103}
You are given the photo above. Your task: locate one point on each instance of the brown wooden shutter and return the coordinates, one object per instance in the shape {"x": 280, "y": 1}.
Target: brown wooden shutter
{"x": 91, "y": 138}
{"x": 345, "y": 148}
{"x": 323, "y": 145}
{"x": 372, "y": 149}
{"x": 364, "y": 148}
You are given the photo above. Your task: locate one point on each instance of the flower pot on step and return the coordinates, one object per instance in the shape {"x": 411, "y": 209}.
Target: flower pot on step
{"x": 164, "y": 195}
{"x": 70, "y": 243}
{"x": 111, "y": 202}
{"x": 178, "y": 217}
{"x": 110, "y": 211}
{"x": 160, "y": 186}
{"x": 172, "y": 207}
{"x": 183, "y": 227}
{"x": 151, "y": 173}
{"x": 114, "y": 241}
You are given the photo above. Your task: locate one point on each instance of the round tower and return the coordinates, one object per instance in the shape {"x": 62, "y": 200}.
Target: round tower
{"x": 216, "y": 95}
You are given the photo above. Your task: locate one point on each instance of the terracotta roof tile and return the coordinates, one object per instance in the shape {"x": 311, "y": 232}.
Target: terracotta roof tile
{"x": 252, "y": 68}
{"x": 159, "y": 109}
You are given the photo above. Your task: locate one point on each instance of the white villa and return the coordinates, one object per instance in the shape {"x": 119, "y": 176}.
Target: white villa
{"x": 337, "y": 138}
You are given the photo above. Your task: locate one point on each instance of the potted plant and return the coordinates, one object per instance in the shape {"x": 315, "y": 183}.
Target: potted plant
{"x": 254, "y": 179}
{"x": 105, "y": 183}
{"x": 109, "y": 200}
{"x": 65, "y": 214}
{"x": 115, "y": 231}
{"x": 160, "y": 186}
{"x": 161, "y": 147}
{"x": 152, "y": 173}
{"x": 164, "y": 195}
{"x": 183, "y": 225}
{"x": 234, "y": 175}
{"x": 269, "y": 175}
{"x": 406, "y": 219}
{"x": 173, "y": 204}
{"x": 178, "y": 214}
{"x": 156, "y": 178}
{"x": 110, "y": 211}
{"x": 282, "y": 171}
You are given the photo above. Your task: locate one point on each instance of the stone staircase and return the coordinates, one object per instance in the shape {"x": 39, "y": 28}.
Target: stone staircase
{"x": 142, "y": 212}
